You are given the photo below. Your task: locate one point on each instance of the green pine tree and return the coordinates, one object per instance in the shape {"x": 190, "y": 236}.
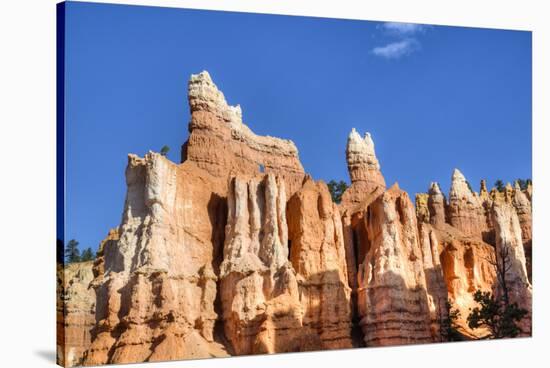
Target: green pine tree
{"x": 87, "y": 255}
{"x": 499, "y": 185}
{"x": 497, "y": 313}
{"x": 72, "y": 253}
{"x": 336, "y": 190}
{"x": 164, "y": 150}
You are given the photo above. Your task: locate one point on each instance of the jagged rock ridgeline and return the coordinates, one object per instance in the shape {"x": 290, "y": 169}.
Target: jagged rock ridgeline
{"x": 236, "y": 250}
{"x": 223, "y": 145}
{"x": 471, "y": 228}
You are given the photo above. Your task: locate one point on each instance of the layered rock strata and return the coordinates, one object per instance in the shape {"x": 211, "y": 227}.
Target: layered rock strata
{"x": 223, "y": 145}
{"x": 465, "y": 210}
{"x": 156, "y": 288}
{"x": 318, "y": 255}
{"x": 75, "y": 313}
{"x": 510, "y": 258}
{"x": 392, "y": 297}
{"x": 259, "y": 290}
{"x": 363, "y": 169}
{"x": 237, "y": 251}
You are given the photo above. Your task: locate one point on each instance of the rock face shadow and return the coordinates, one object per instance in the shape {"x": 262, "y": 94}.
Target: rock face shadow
{"x": 47, "y": 355}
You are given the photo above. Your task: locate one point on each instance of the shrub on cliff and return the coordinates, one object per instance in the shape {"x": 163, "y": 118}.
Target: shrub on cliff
{"x": 336, "y": 190}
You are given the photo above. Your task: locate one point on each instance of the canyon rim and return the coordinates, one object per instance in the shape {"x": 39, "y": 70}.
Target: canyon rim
{"x": 237, "y": 250}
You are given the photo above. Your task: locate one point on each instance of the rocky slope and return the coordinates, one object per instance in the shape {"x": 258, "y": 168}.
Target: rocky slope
{"x": 236, "y": 250}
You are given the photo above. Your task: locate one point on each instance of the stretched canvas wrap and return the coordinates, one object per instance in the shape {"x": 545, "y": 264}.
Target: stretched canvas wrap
{"x": 228, "y": 184}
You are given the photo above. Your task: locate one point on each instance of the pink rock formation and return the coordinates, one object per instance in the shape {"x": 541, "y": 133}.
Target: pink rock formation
{"x": 205, "y": 263}
{"x": 465, "y": 211}
{"x": 436, "y": 205}
{"x": 466, "y": 266}
{"x": 76, "y": 312}
{"x": 259, "y": 291}
{"x": 436, "y": 287}
{"x": 363, "y": 168}
{"x": 155, "y": 296}
{"x": 318, "y": 255}
{"x": 510, "y": 257}
{"x": 421, "y": 205}
{"x": 392, "y": 297}
{"x": 522, "y": 206}
{"x": 222, "y": 144}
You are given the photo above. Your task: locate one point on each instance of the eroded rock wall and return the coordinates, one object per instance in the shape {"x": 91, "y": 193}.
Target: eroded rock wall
{"x": 75, "y": 312}
{"x": 392, "y": 297}
{"x": 259, "y": 290}
{"x": 318, "y": 255}
{"x": 222, "y": 144}
{"x": 510, "y": 257}
{"x": 156, "y": 287}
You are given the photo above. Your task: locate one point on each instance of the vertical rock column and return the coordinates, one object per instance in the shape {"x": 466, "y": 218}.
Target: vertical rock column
{"x": 317, "y": 254}
{"x": 156, "y": 288}
{"x": 392, "y": 296}
{"x": 510, "y": 254}
{"x": 436, "y": 205}
{"x": 363, "y": 168}
{"x": 465, "y": 211}
{"x": 259, "y": 291}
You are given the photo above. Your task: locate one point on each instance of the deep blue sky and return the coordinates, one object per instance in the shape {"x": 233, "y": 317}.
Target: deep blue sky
{"x": 434, "y": 98}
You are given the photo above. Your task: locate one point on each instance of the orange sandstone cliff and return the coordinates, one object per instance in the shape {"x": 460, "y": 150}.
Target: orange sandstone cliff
{"x": 237, "y": 250}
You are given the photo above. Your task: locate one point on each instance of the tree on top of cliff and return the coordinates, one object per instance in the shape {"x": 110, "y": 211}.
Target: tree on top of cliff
{"x": 164, "y": 150}
{"x": 499, "y": 184}
{"x": 87, "y": 255}
{"x": 72, "y": 253}
{"x": 495, "y": 312}
{"x": 524, "y": 183}
{"x": 336, "y": 190}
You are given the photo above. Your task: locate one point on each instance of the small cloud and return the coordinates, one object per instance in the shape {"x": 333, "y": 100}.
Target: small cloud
{"x": 395, "y": 50}
{"x": 398, "y": 28}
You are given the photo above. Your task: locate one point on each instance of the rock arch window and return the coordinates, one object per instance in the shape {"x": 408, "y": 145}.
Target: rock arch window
{"x": 262, "y": 168}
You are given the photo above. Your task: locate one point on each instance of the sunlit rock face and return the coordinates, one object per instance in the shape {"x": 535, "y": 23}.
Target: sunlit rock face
{"x": 511, "y": 258}
{"x": 237, "y": 250}
{"x": 465, "y": 210}
{"x": 392, "y": 297}
{"x": 363, "y": 169}
{"x": 318, "y": 255}
{"x": 466, "y": 266}
{"x": 436, "y": 205}
{"x": 223, "y": 145}
{"x": 75, "y": 312}
{"x": 436, "y": 286}
{"x": 156, "y": 287}
{"x": 259, "y": 291}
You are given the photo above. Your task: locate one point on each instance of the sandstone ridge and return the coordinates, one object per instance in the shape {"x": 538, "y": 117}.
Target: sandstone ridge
{"x": 237, "y": 250}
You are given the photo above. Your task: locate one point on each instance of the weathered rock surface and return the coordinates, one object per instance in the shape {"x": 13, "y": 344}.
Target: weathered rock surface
{"x": 222, "y": 144}
{"x": 392, "y": 297}
{"x": 465, "y": 211}
{"x": 436, "y": 205}
{"x": 155, "y": 296}
{"x": 318, "y": 255}
{"x": 511, "y": 257}
{"x": 522, "y": 206}
{"x": 466, "y": 266}
{"x": 259, "y": 290}
{"x": 363, "y": 168}
{"x": 436, "y": 287}
{"x": 237, "y": 251}
{"x": 75, "y": 312}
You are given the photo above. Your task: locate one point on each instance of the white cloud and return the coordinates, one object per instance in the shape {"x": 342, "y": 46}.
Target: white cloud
{"x": 395, "y": 50}
{"x": 403, "y": 28}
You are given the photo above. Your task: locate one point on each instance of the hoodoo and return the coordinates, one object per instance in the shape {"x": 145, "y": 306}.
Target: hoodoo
{"x": 236, "y": 250}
